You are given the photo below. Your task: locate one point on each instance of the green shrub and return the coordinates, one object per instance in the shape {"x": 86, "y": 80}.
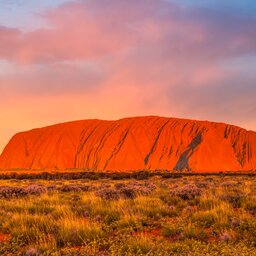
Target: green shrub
{"x": 204, "y": 219}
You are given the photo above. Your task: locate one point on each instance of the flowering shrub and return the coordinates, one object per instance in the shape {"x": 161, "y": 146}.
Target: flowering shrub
{"x": 186, "y": 192}
{"x": 108, "y": 194}
{"x": 9, "y": 192}
{"x": 202, "y": 184}
{"x": 128, "y": 192}
{"x": 35, "y": 189}
{"x": 225, "y": 237}
{"x": 74, "y": 188}
{"x": 32, "y": 252}
{"x": 133, "y": 189}
{"x": 234, "y": 197}
{"x": 145, "y": 188}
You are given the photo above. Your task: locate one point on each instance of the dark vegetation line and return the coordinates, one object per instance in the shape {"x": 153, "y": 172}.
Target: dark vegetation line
{"x": 139, "y": 175}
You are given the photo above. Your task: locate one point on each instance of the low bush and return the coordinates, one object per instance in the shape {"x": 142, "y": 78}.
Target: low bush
{"x": 70, "y": 188}
{"x": 204, "y": 219}
{"x": 171, "y": 230}
{"x": 186, "y": 192}
{"x": 32, "y": 252}
{"x": 195, "y": 233}
{"x": 10, "y": 192}
{"x": 35, "y": 190}
{"x": 235, "y": 198}
{"x": 108, "y": 194}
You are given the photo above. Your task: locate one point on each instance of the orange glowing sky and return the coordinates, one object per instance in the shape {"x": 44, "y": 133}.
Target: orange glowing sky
{"x": 65, "y": 60}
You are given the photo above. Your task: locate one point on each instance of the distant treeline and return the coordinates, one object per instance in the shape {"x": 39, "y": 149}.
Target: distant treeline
{"x": 91, "y": 175}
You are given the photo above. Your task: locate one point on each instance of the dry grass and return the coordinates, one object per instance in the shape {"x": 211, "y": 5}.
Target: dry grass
{"x": 160, "y": 216}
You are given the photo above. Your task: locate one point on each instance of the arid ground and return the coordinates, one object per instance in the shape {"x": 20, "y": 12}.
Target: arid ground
{"x": 139, "y": 215}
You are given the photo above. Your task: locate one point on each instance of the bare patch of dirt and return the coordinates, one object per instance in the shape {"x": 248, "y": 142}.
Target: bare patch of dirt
{"x": 4, "y": 237}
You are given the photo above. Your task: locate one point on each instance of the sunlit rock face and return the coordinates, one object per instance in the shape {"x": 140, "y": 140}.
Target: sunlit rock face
{"x": 150, "y": 143}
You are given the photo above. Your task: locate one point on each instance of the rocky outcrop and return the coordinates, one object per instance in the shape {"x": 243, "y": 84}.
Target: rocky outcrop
{"x": 134, "y": 144}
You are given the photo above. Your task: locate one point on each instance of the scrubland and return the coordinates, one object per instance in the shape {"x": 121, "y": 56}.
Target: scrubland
{"x": 183, "y": 215}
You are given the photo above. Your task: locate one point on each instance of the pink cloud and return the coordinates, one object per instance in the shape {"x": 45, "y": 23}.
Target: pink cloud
{"x": 85, "y": 30}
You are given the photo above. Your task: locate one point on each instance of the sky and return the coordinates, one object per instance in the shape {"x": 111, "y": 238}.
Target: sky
{"x": 63, "y": 60}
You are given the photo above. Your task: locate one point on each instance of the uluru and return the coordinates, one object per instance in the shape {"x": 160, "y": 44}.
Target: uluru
{"x": 137, "y": 143}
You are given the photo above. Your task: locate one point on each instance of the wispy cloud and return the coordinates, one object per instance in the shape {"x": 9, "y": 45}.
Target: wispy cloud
{"x": 91, "y": 29}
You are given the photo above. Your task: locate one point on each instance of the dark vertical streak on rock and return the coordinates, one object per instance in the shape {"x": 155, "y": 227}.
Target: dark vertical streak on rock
{"x": 104, "y": 138}
{"x": 146, "y": 160}
{"x": 117, "y": 148}
{"x": 83, "y": 142}
{"x": 184, "y": 158}
{"x": 26, "y": 147}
